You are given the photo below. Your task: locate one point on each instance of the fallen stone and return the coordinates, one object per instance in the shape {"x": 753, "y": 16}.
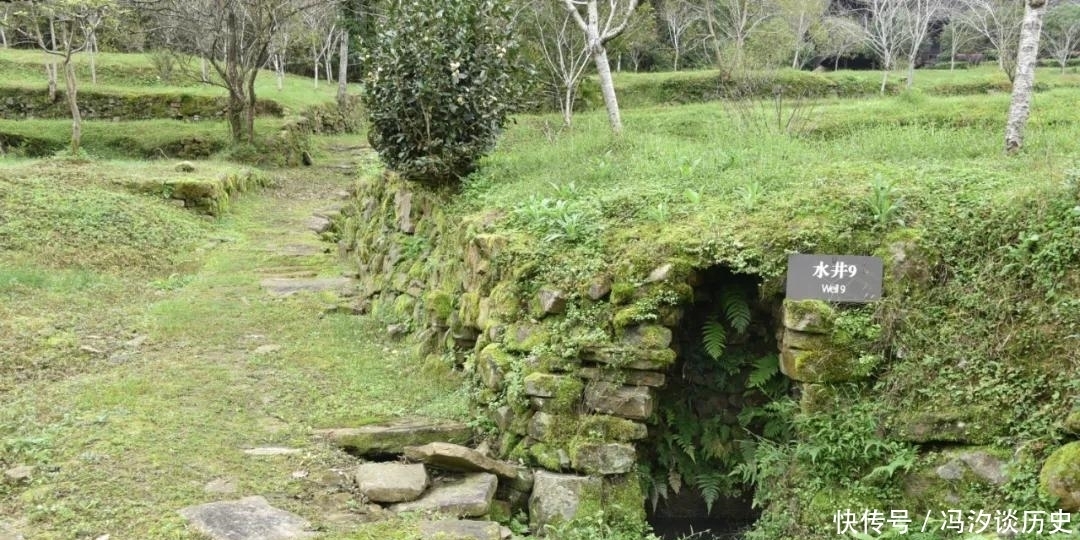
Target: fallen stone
{"x": 290, "y": 286}
{"x": 460, "y": 530}
{"x": 18, "y": 475}
{"x": 272, "y": 451}
{"x": 220, "y": 486}
{"x": 468, "y": 497}
{"x": 185, "y": 166}
{"x": 391, "y": 482}
{"x": 985, "y": 466}
{"x": 318, "y": 224}
{"x": 599, "y": 288}
{"x": 392, "y": 437}
{"x": 549, "y": 302}
{"x": 556, "y": 497}
{"x": 604, "y": 459}
{"x": 661, "y": 273}
{"x": 454, "y": 457}
{"x": 633, "y": 402}
{"x": 250, "y": 518}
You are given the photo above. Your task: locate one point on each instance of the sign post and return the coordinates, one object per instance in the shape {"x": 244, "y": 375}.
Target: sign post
{"x": 834, "y": 278}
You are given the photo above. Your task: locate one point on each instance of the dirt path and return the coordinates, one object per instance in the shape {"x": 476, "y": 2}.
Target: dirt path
{"x": 241, "y": 354}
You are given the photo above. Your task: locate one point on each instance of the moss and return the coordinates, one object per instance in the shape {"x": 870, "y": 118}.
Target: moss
{"x": 563, "y": 391}
{"x": 504, "y": 301}
{"x": 403, "y": 306}
{"x": 440, "y": 304}
{"x": 469, "y": 308}
{"x": 647, "y": 336}
{"x": 811, "y": 316}
{"x": 546, "y": 456}
{"x": 632, "y": 315}
{"x": 1071, "y": 424}
{"x": 826, "y": 366}
{"x": 967, "y": 425}
{"x": 620, "y": 501}
{"x": 525, "y": 337}
{"x": 493, "y": 363}
{"x": 622, "y": 293}
{"x": 1060, "y": 476}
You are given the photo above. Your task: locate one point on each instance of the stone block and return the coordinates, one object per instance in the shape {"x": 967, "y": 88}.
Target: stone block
{"x": 391, "y": 482}
{"x": 470, "y": 496}
{"x": 633, "y": 402}
{"x": 557, "y": 497}
{"x": 603, "y": 458}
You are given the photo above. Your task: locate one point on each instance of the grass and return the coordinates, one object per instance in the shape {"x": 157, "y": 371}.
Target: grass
{"x": 124, "y": 73}
{"x": 131, "y": 385}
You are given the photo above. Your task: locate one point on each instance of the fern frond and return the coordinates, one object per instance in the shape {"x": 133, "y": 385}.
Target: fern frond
{"x": 714, "y": 337}
{"x": 711, "y": 486}
{"x": 736, "y": 309}
{"x": 674, "y": 479}
{"x": 764, "y": 369}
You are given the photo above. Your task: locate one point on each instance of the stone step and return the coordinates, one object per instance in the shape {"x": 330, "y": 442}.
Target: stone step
{"x": 250, "y": 518}
{"x": 455, "y": 457}
{"x": 450, "y": 529}
{"x": 391, "y": 438}
{"x": 290, "y": 286}
{"x": 470, "y": 496}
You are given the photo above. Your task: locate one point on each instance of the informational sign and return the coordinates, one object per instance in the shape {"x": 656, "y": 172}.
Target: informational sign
{"x": 834, "y": 278}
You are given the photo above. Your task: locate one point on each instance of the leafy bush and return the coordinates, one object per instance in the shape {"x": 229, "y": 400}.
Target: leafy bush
{"x": 443, "y": 79}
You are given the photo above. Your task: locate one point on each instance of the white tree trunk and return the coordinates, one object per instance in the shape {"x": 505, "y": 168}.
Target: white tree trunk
{"x": 73, "y": 103}
{"x": 884, "y": 80}
{"x": 1023, "y": 84}
{"x": 50, "y": 72}
{"x": 607, "y": 86}
{"x": 568, "y": 106}
{"x": 205, "y": 70}
{"x": 910, "y": 74}
{"x": 343, "y": 70}
{"x": 92, "y": 49}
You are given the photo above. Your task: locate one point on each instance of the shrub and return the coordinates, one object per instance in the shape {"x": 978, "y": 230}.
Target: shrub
{"x": 442, "y": 80}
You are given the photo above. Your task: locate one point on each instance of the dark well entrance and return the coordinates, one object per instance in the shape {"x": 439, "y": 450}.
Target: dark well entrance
{"x": 714, "y": 405}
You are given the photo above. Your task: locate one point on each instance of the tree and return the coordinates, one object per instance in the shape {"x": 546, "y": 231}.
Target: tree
{"x": 442, "y": 78}
{"x": 235, "y": 36}
{"x": 917, "y": 15}
{"x": 66, "y": 21}
{"x": 1061, "y": 33}
{"x": 737, "y": 20}
{"x": 640, "y": 39}
{"x": 564, "y": 51}
{"x": 597, "y": 33}
{"x": 841, "y": 36}
{"x": 320, "y": 33}
{"x": 801, "y": 16}
{"x": 955, "y": 35}
{"x": 999, "y": 22}
{"x": 883, "y": 21}
{"x": 1024, "y": 83}
{"x": 679, "y": 17}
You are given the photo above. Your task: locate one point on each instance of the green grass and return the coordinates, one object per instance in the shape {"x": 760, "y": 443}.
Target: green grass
{"x": 123, "y": 73}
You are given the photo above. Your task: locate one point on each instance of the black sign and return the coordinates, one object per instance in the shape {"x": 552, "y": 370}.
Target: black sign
{"x": 835, "y": 278}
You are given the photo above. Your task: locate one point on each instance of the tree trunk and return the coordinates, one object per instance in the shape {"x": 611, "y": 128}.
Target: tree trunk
{"x": 568, "y": 105}
{"x": 73, "y": 103}
{"x": 279, "y": 70}
{"x": 316, "y": 72}
{"x": 234, "y": 81}
{"x": 91, "y": 47}
{"x": 1026, "y": 59}
{"x": 910, "y": 74}
{"x": 50, "y": 72}
{"x": 250, "y": 127}
{"x": 884, "y": 80}
{"x": 607, "y": 85}
{"x": 343, "y": 70}
{"x": 710, "y": 22}
{"x": 795, "y": 62}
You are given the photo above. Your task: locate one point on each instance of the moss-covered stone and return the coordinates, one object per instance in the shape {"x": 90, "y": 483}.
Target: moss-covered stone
{"x": 810, "y": 316}
{"x": 504, "y": 304}
{"x": 622, "y": 293}
{"x": 631, "y": 357}
{"x": 469, "y": 308}
{"x": 492, "y": 364}
{"x": 818, "y": 398}
{"x": 825, "y": 366}
{"x": 525, "y": 337}
{"x": 564, "y": 391}
{"x": 648, "y": 336}
{"x": 633, "y": 315}
{"x": 440, "y": 304}
{"x": 1071, "y": 424}
{"x": 1060, "y": 476}
{"x": 549, "y": 457}
{"x": 403, "y": 306}
{"x": 806, "y": 341}
{"x": 970, "y": 425}
{"x": 603, "y": 458}
{"x": 547, "y": 301}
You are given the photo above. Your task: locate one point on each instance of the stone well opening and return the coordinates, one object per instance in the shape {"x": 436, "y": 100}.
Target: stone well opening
{"x": 714, "y": 404}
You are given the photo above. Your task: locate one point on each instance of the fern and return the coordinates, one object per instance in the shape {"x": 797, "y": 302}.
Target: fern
{"x": 765, "y": 368}
{"x": 711, "y": 485}
{"x": 714, "y": 337}
{"x": 736, "y": 309}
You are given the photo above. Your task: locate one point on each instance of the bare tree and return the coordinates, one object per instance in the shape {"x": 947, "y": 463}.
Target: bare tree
{"x": 1062, "y": 32}
{"x": 917, "y": 16}
{"x": 1024, "y": 83}
{"x": 801, "y": 16}
{"x": 598, "y": 31}
{"x": 842, "y": 35}
{"x": 737, "y": 20}
{"x": 343, "y": 67}
{"x": 999, "y": 22}
{"x": 884, "y": 22}
{"x": 679, "y": 17}
{"x": 956, "y": 34}
{"x": 66, "y": 22}
{"x": 565, "y": 53}
{"x": 320, "y": 33}
{"x": 5, "y": 18}
{"x": 235, "y": 37}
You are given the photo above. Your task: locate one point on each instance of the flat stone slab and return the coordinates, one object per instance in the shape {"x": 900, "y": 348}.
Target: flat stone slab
{"x": 455, "y": 457}
{"x": 460, "y": 530}
{"x": 291, "y": 286}
{"x": 391, "y": 482}
{"x": 468, "y": 497}
{"x": 318, "y": 224}
{"x": 250, "y": 518}
{"x": 556, "y": 497}
{"x": 391, "y": 438}
{"x": 272, "y": 451}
